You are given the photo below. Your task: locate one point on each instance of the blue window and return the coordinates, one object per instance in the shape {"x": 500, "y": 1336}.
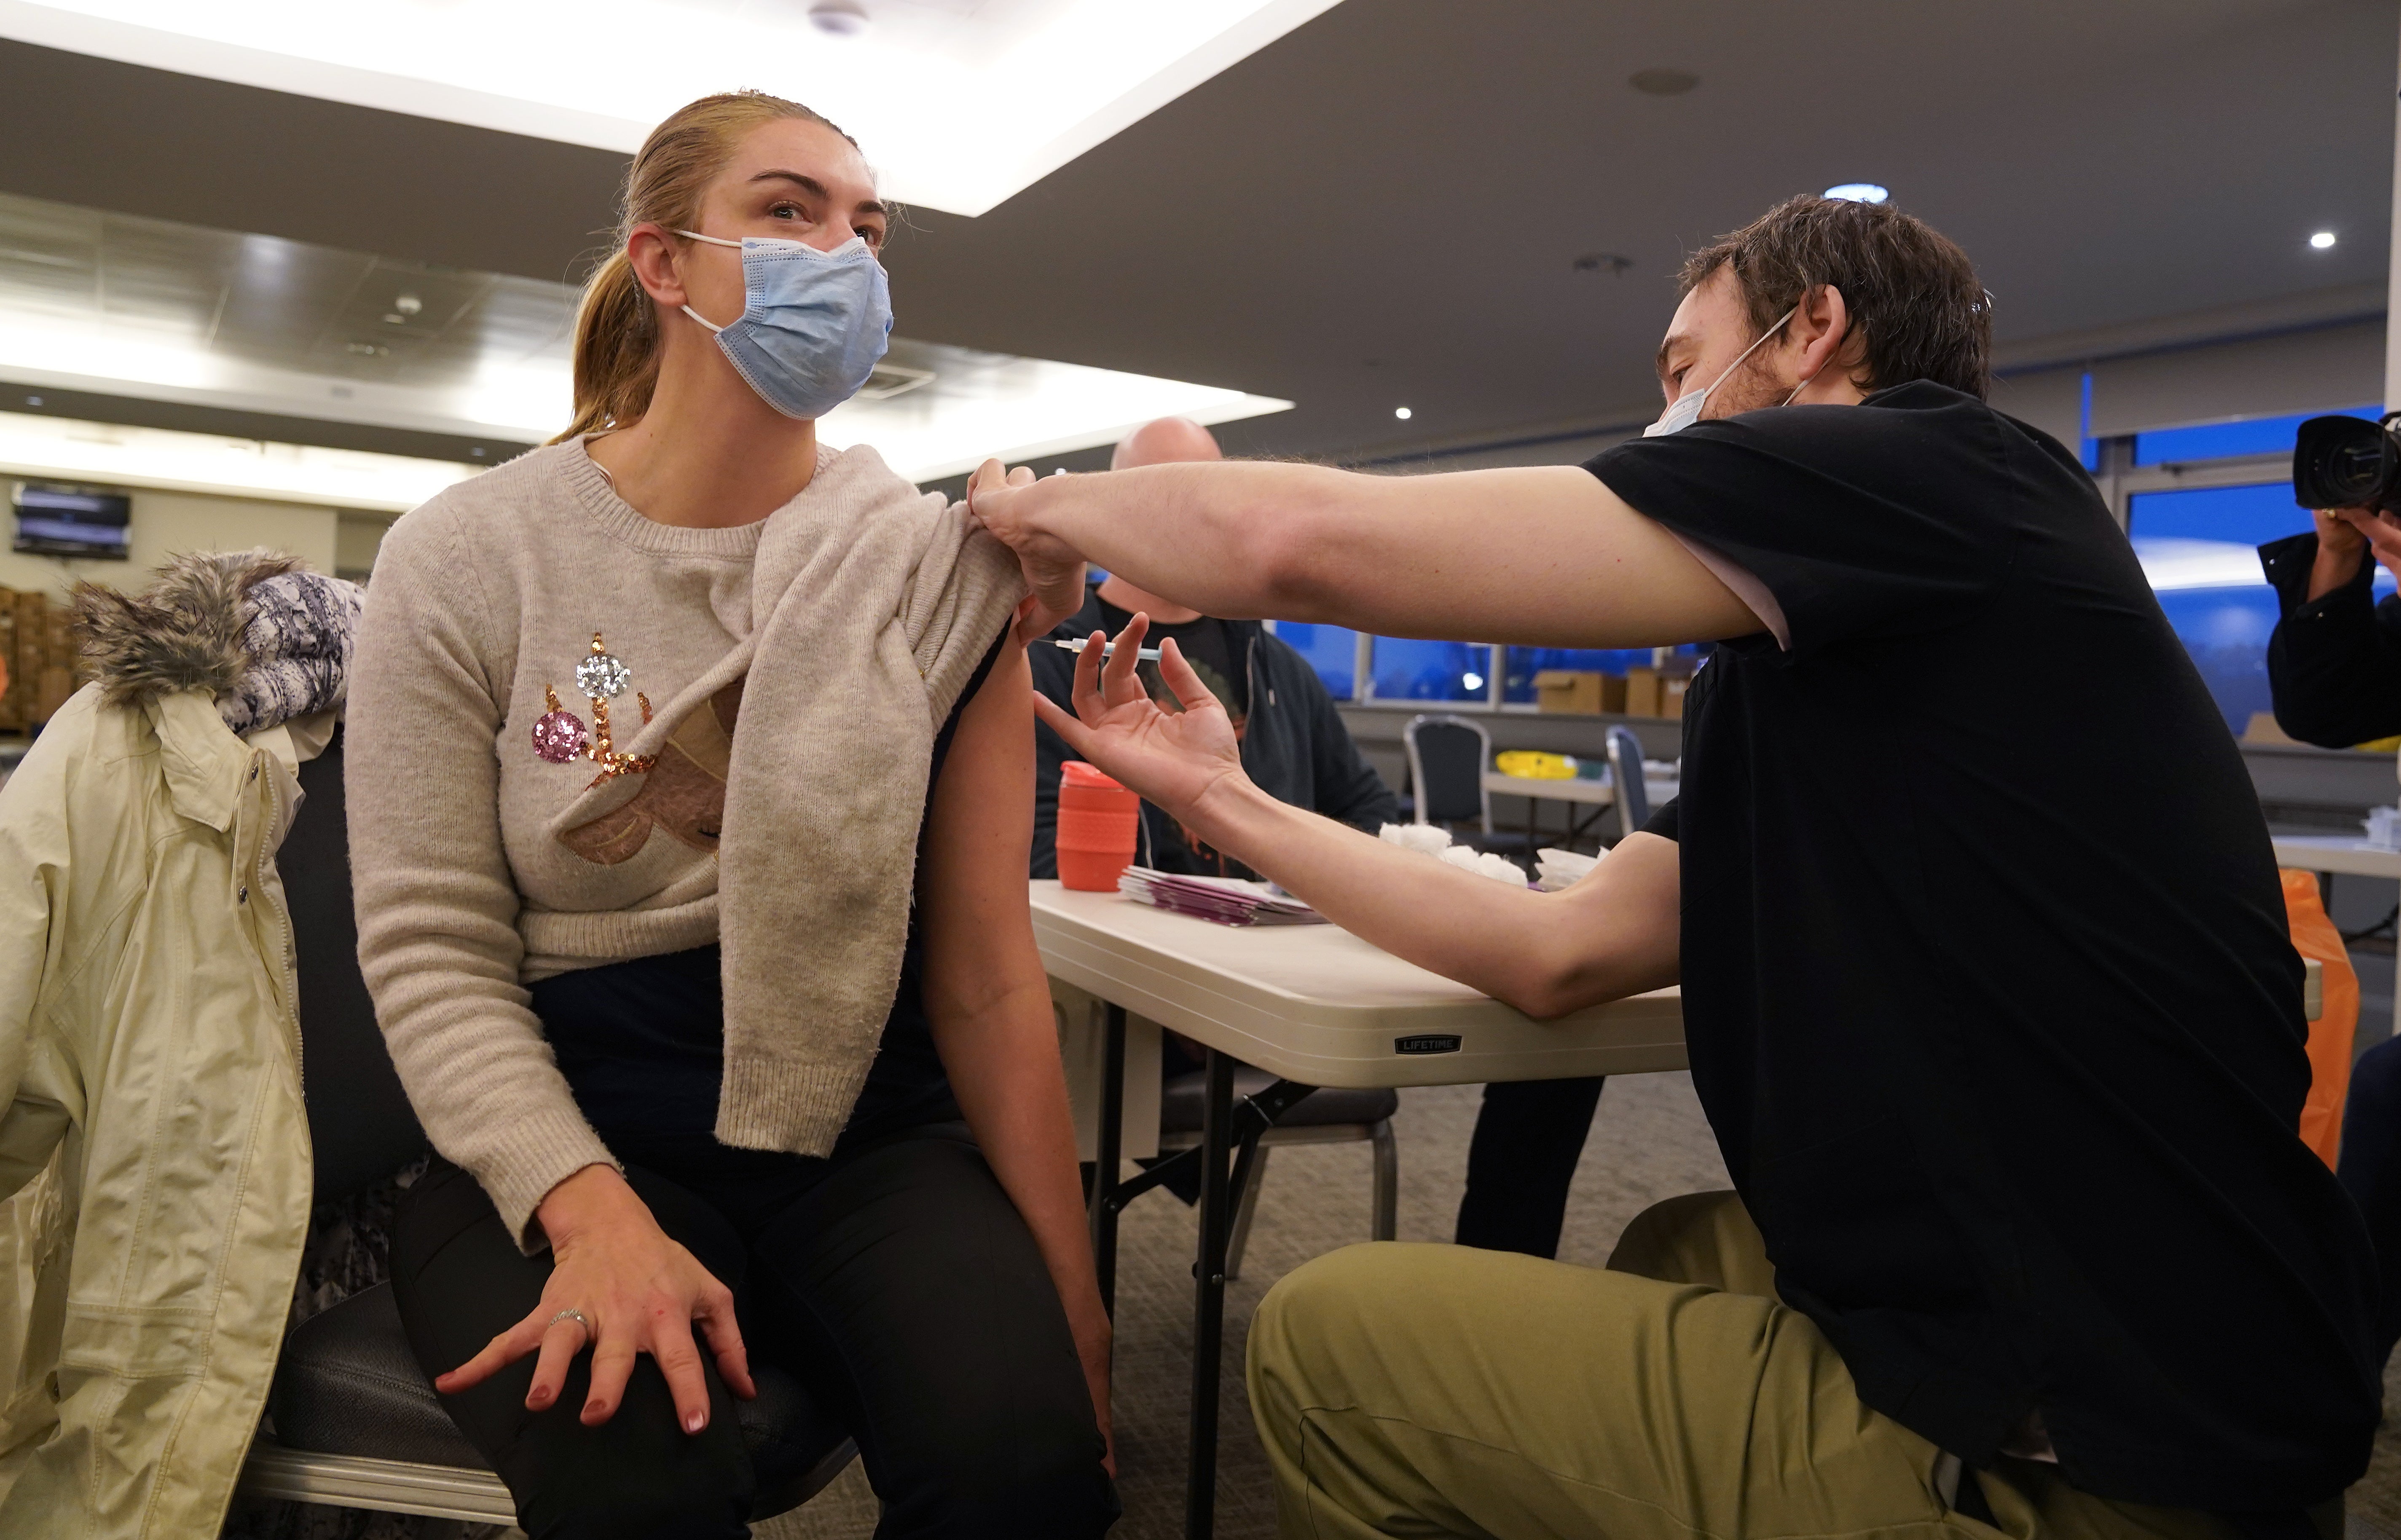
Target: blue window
{"x": 1331, "y": 650}
{"x": 2258, "y": 435}
{"x": 1524, "y": 663}
{"x": 2242, "y": 515}
{"x": 1429, "y": 670}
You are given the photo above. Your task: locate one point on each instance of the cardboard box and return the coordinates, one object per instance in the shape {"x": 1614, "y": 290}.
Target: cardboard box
{"x": 28, "y": 660}
{"x": 1567, "y": 689}
{"x": 1671, "y": 696}
{"x": 1642, "y": 691}
{"x": 1579, "y": 691}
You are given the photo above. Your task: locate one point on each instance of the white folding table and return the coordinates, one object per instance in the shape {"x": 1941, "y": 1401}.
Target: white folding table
{"x": 2346, "y": 853}
{"x": 1576, "y": 792}
{"x": 1316, "y": 1006}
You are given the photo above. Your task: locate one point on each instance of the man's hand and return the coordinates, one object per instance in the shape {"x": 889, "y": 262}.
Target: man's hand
{"x": 1170, "y": 759}
{"x": 640, "y": 1291}
{"x": 1052, "y": 571}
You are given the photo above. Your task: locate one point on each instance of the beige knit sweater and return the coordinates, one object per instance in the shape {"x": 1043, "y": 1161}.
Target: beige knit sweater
{"x": 841, "y": 630}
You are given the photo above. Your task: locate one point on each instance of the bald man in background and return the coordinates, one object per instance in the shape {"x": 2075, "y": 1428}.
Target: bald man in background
{"x": 1294, "y": 743}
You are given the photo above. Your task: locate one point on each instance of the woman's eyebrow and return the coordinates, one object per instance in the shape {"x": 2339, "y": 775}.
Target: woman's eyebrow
{"x": 816, "y": 188}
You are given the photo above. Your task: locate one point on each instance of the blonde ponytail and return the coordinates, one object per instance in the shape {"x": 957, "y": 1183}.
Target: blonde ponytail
{"x": 617, "y": 325}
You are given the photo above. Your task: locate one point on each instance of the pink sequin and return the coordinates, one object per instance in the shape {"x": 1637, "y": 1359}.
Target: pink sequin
{"x": 559, "y": 736}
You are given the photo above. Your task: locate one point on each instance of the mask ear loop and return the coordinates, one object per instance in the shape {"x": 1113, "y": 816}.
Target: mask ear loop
{"x": 714, "y": 241}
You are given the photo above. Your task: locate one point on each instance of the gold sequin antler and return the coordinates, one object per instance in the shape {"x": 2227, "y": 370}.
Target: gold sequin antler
{"x": 602, "y": 677}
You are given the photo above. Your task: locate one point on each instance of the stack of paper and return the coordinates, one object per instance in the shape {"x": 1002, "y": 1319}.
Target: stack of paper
{"x": 1227, "y": 901}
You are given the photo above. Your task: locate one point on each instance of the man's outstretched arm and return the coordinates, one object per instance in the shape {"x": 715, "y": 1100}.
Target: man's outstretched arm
{"x": 1615, "y": 933}
{"x": 1543, "y": 557}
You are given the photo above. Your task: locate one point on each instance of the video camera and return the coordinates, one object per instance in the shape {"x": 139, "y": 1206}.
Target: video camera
{"x": 2347, "y": 462}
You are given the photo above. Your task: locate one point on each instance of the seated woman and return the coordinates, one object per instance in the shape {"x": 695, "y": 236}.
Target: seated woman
{"x": 690, "y": 788}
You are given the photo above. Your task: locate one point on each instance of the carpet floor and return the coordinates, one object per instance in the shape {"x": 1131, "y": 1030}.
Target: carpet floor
{"x": 1649, "y": 1142}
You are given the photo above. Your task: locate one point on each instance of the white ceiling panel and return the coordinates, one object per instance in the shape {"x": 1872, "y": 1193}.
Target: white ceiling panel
{"x": 958, "y": 104}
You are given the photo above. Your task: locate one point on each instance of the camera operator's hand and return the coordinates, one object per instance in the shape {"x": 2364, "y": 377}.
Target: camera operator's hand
{"x": 2341, "y": 543}
{"x": 2380, "y": 533}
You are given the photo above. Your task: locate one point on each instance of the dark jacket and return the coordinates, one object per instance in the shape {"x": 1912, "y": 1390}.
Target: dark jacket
{"x": 1294, "y": 746}
{"x": 2334, "y": 662}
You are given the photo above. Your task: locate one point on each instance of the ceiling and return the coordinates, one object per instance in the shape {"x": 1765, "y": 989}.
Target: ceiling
{"x": 995, "y": 93}
{"x": 1386, "y": 207}
{"x": 93, "y": 303}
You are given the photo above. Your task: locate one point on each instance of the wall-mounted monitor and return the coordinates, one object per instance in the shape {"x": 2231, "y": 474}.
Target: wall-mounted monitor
{"x": 80, "y": 522}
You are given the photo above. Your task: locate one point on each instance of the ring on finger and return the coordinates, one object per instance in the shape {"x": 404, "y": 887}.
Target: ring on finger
{"x": 572, "y": 1314}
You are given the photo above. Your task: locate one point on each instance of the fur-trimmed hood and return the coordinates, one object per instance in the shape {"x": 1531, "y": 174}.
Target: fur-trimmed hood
{"x": 267, "y": 639}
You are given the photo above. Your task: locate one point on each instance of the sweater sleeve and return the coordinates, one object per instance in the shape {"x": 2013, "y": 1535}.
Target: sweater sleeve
{"x": 2334, "y": 662}
{"x": 437, "y": 908}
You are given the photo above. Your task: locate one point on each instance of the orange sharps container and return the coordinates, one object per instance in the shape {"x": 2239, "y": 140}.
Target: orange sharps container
{"x": 1096, "y": 828}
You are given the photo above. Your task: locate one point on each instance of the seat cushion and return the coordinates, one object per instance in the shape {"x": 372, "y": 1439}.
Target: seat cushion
{"x": 348, "y": 1385}
{"x": 1180, "y": 1100}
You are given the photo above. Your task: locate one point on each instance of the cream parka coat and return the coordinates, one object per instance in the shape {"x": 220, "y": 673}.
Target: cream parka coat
{"x": 150, "y": 1113}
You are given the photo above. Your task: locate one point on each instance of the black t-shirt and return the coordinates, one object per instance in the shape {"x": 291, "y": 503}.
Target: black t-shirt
{"x": 1987, "y": 980}
{"x": 1212, "y": 647}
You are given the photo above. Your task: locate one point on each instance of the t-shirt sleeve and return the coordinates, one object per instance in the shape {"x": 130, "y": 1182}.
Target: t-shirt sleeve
{"x": 1887, "y": 519}
{"x": 1663, "y": 822}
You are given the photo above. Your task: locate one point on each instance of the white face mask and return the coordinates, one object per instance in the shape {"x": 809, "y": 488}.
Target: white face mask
{"x": 1686, "y": 409}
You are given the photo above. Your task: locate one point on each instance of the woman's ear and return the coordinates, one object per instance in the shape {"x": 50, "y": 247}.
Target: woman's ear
{"x": 654, "y": 257}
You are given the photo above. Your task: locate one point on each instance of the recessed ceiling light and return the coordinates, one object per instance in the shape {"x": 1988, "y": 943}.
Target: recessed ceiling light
{"x": 839, "y": 18}
{"x": 1858, "y": 192}
{"x": 408, "y": 304}
{"x": 1401, "y": 412}
{"x": 2321, "y": 240}
{"x": 1663, "y": 82}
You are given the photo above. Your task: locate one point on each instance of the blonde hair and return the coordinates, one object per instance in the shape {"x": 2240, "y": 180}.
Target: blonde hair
{"x": 617, "y": 327}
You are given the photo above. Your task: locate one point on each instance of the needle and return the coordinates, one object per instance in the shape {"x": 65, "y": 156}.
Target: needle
{"x": 1142, "y": 655}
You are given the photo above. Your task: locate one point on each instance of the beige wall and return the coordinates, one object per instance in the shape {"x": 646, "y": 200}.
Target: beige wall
{"x": 171, "y": 523}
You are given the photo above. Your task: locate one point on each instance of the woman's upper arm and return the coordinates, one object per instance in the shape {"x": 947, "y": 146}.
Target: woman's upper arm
{"x": 979, "y": 931}
{"x": 437, "y": 905}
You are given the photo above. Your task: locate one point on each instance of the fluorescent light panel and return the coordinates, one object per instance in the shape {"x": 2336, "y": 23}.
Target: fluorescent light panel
{"x": 957, "y": 106}
{"x": 52, "y": 449}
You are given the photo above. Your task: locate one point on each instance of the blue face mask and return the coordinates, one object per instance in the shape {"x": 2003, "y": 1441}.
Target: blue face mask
{"x": 813, "y": 323}
{"x": 1685, "y": 410}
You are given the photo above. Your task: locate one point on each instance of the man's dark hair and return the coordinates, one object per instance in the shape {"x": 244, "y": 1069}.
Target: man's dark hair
{"x": 1916, "y": 306}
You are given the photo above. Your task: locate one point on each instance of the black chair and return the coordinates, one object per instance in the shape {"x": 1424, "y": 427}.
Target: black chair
{"x": 1328, "y": 1115}
{"x": 356, "y": 1424}
{"x": 1448, "y": 758}
{"x": 1625, "y": 779}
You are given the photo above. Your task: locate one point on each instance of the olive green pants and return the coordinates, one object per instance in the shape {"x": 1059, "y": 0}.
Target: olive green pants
{"x": 1436, "y": 1390}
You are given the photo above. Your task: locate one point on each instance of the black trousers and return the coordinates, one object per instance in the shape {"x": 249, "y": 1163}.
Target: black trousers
{"x": 2371, "y": 1170}
{"x": 1528, "y": 1136}
{"x": 897, "y": 1282}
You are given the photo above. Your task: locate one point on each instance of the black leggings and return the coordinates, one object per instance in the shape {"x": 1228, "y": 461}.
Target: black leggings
{"x": 897, "y": 1282}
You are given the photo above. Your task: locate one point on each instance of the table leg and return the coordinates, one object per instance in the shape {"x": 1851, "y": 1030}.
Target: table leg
{"x": 1209, "y": 1297}
{"x": 1105, "y": 1157}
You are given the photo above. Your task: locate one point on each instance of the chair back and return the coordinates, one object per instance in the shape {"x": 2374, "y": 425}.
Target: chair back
{"x": 1626, "y": 775}
{"x": 359, "y": 1118}
{"x": 1448, "y": 755}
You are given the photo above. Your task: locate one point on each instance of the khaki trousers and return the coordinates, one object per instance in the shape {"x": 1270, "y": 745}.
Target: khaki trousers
{"x": 1436, "y": 1390}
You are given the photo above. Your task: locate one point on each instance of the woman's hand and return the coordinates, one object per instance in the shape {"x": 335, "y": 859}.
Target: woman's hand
{"x": 640, "y": 1290}
{"x": 1095, "y": 1343}
{"x": 1170, "y": 759}
{"x": 995, "y": 500}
